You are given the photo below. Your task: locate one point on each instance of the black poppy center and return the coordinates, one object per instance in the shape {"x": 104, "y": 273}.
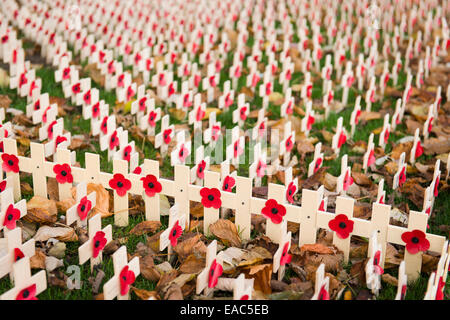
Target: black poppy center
{"x": 210, "y": 197}
{"x": 63, "y": 173}
{"x": 126, "y": 153}
{"x": 200, "y": 169}
{"x": 226, "y": 186}
{"x": 152, "y": 117}
{"x": 174, "y": 232}
{"x": 83, "y": 207}
{"x": 415, "y": 240}
{"x": 124, "y": 278}
{"x": 10, "y": 217}
{"x": 274, "y": 210}
{"x": 10, "y": 162}
{"x": 342, "y": 225}
{"x": 26, "y": 293}
{"x": 120, "y": 184}
{"x": 97, "y": 244}
{"x": 151, "y": 185}
{"x": 18, "y": 258}
{"x": 113, "y": 139}
{"x": 290, "y": 192}
{"x": 181, "y": 152}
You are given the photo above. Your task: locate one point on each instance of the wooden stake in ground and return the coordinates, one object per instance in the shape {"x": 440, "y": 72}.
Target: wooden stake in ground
{"x": 242, "y": 291}
{"x": 10, "y": 213}
{"x": 83, "y": 206}
{"x": 321, "y": 285}
{"x": 207, "y": 279}
{"x": 282, "y": 256}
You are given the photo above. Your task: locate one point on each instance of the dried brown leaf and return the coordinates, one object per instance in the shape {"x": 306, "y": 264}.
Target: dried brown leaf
{"x": 145, "y": 227}
{"x": 226, "y": 231}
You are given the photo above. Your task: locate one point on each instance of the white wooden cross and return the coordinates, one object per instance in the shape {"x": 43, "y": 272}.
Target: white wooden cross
{"x": 354, "y": 118}
{"x": 396, "y": 117}
{"x": 381, "y": 194}
{"x": 210, "y": 82}
{"x": 242, "y": 111}
{"x": 288, "y": 70}
{"x": 253, "y": 77}
{"x": 317, "y": 162}
{"x": 347, "y": 82}
{"x": 212, "y": 133}
{"x": 125, "y": 273}
{"x": 80, "y": 211}
{"x": 384, "y": 135}
{"x": 326, "y": 71}
{"x": 75, "y": 87}
{"x": 150, "y": 119}
{"x": 141, "y": 104}
{"x": 242, "y": 290}
{"x": 419, "y": 75}
{"x": 369, "y": 156}
{"x": 306, "y": 92}
{"x": 428, "y": 125}
{"x": 281, "y": 256}
{"x": 204, "y": 279}
{"x": 182, "y": 151}
{"x": 197, "y": 114}
{"x": 340, "y": 137}
{"x": 15, "y": 251}
{"x": 165, "y": 136}
{"x": 258, "y": 168}
{"x": 287, "y": 144}
{"x": 227, "y": 98}
{"x": 430, "y": 294}
{"x": 373, "y": 266}
{"x": 417, "y": 149}
{"x": 236, "y": 148}
{"x": 27, "y": 287}
{"x": 88, "y": 98}
{"x": 201, "y": 165}
{"x": 370, "y": 95}
{"x": 321, "y": 285}
{"x": 184, "y": 99}
{"x": 177, "y": 222}
{"x": 287, "y": 108}
{"x": 345, "y": 180}
{"x": 122, "y": 82}
{"x": 260, "y": 128}
{"x": 309, "y": 119}
{"x": 98, "y": 239}
{"x": 290, "y": 184}
{"x": 112, "y": 140}
{"x": 266, "y": 88}
{"x": 10, "y": 212}
{"x": 400, "y": 175}
{"x": 402, "y": 282}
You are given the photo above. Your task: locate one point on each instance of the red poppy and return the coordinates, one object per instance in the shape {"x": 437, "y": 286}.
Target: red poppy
{"x": 310, "y": 122}
{"x": 76, "y": 88}
{"x": 18, "y": 254}
{"x": 342, "y": 225}
{"x": 58, "y": 140}
{"x": 87, "y": 97}
{"x": 419, "y": 149}
{"x": 261, "y": 169}
{"x": 402, "y": 177}
{"x": 151, "y": 185}
{"x": 200, "y": 114}
{"x": 120, "y": 79}
{"x": 130, "y": 93}
{"x": 215, "y": 132}
{"x": 289, "y": 144}
{"x": 183, "y": 153}
{"x": 323, "y": 294}
{"x": 309, "y": 91}
{"x": 215, "y": 271}
{"x": 371, "y": 159}
{"x": 120, "y": 184}
{"x": 290, "y": 192}
{"x": 175, "y": 233}
{"x": 430, "y": 124}
{"x": 50, "y": 129}
{"x": 381, "y": 200}
{"x": 201, "y": 169}
{"x": 237, "y": 149}
{"x": 137, "y": 170}
{"x": 440, "y": 289}
{"x": 242, "y": 113}
{"x": 386, "y": 136}
{"x": 358, "y": 114}
{"x": 416, "y": 240}
{"x": 152, "y": 118}
{"x": 376, "y": 263}
{"x": 228, "y": 183}
{"x": 3, "y": 185}
{"x": 197, "y": 79}
{"x": 211, "y": 197}
{"x": 166, "y": 136}
{"x": 29, "y": 293}
{"x": 228, "y": 100}
{"x": 10, "y": 163}
{"x": 84, "y": 207}
{"x": 113, "y": 141}
{"x": 63, "y": 173}
{"x": 342, "y": 139}
{"x": 127, "y": 153}
{"x": 142, "y": 102}
{"x": 127, "y": 278}
{"x": 322, "y": 205}
{"x": 318, "y": 164}
{"x": 268, "y": 89}
{"x": 98, "y": 243}
{"x": 348, "y": 181}
{"x": 285, "y": 256}
{"x": 273, "y": 211}
{"x": 244, "y": 297}
{"x": 11, "y": 216}
{"x": 104, "y": 125}
{"x": 436, "y": 186}
{"x": 212, "y": 81}
{"x": 96, "y": 110}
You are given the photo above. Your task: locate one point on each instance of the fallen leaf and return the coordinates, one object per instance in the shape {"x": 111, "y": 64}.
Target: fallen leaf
{"x": 144, "y": 294}
{"x": 361, "y": 179}
{"x": 102, "y": 199}
{"x": 262, "y": 275}
{"x": 148, "y": 269}
{"x": 316, "y": 248}
{"x": 64, "y": 234}
{"x": 371, "y": 115}
{"x": 192, "y": 264}
{"x": 38, "y": 260}
{"x": 145, "y": 227}
{"x": 386, "y": 277}
{"x": 226, "y": 231}
{"x": 184, "y": 248}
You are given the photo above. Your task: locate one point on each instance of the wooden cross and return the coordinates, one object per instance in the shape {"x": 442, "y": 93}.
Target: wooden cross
{"x": 384, "y": 135}
{"x": 402, "y": 282}
{"x": 15, "y": 251}
{"x": 427, "y": 126}
{"x": 309, "y": 118}
{"x": 339, "y": 137}
{"x": 210, "y": 82}
{"x": 112, "y": 140}
{"x": 26, "y": 286}
{"x": 242, "y": 112}
{"x": 98, "y": 239}
{"x": 287, "y": 143}
{"x": 321, "y": 285}
{"x": 166, "y": 135}
{"x": 347, "y": 82}
{"x": 227, "y": 98}
{"x": 345, "y": 180}
{"x": 280, "y": 258}
{"x": 373, "y": 269}
{"x": 80, "y": 211}
{"x": 381, "y": 194}
{"x": 317, "y": 162}
{"x": 253, "y": 77}
{"x": 125, "y": 274}
{"x": 242, "y": 289}
{"x": 182, "y": 150}
{"x": 149, "y": 120}
{"x": 396, "y": 118}
{"x": 87, "y": 98}
{"x": 266, "y": 88}
{"x": 354, "y": 118}
{"x": 400, "y": 175}
{"x": 287, "y": 108}
{"x": 370, "y": 96}
{"x": 196, "y": 115}
{"x": 211, "y": 215}
{"x": 258, "y": 167}
{"x": 236, "y": 148}
{"x": 369, "y": 156}
{"x": 204, "y": 276}
{"x": 201, "y": 165}
{"x": 306, "y": 92}
{"x": 10, "y": 212}
{"x": 170, "y": 236}
{"x": 212, "y": 133}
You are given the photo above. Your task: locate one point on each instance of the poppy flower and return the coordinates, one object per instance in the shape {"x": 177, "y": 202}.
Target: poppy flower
{"x": 228, "y": 100}
{"x": 120, "y": 184}
{"x": 341, "y": 225}
{"x": 29, "y": 293}
{"x": 348, "y": 181}
{"x": 255, "y": 80}
{"x": 104, "y": 125}
{"x": 323, "y": 294}
{"x": 84, "y": 207}
{"x": 244, "y": 297}
{"x": 285, "y": 256}
{"x": 87, "y": 97}
{"x": 372, "y": 96}
{"x": 289, "y": 109}
{"x": 288, "y": 74}
{"x": 111, "y": 67}
{"x": 237, "y": 149}
{"x": 120, "y": 80}
{"x": 10, "y": 163}
{"x": 130, "y": 93}
{"x": 268, "y": 89}
{"x": 228, "y": 183}
{"x": 166, "y": 135}
{"x": 436, "y": 185}
{"x": 23, "y": 80}
{"x": 162, "y": 80}
{"x": 11, "y": 216}
{"x": 358, "y": 114}
{"x": 113, "y": 141}
{"x": 18, "y": 254}
{"x": 274, "y": 211}
{"x": 152, "y": 118}
{"x": 186, "y": 101}
{"x": 127, "y": 278}
{"x": 50, "y": 130}
{"x": 183, "y": 153}
{"x": 242, "y": 113}
{"x": 318, "y": 164}
{"x": 440, "y": 289}
{"x": 151, "y": 185}
{"x": 386, "y": 136}
{"x": 310, "y": 122}
{"x": 376, "y": 263}
{"x": 371, "y": 159}
{"x": 419, "y": 149}
{"x": 212, "y": 81}
{"x": 211, "y": 198}
{"x": 142, "y": 102}
{"x": 201, "y": 169}
{"x": 261, "y": 169}
{"x": 175, "y": 233}
{"x": 3, "y": 185}
{"x": 215, "y": 271}
{"x": 98, "y": 243}
{"x": 76, "y": 88}
{"x": 58, "y": 140}
{"x": 215, "y": 132}
{"x": 137, "y": 170}
{"x": 290, "y": 192}
{"x": 322, "y": 205}
{"x": 200, "y": 114}
{"x": 197, "y": 79}
{"x": 402, "y": 177}
{"x": 309, "y": 91}
{"x": 289, "y": 145}
{"x": 63, "y": 173}
{"x": 127, "y": 153}
{"x": 416, "y": 241}
{"x": 342, "y": 139}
